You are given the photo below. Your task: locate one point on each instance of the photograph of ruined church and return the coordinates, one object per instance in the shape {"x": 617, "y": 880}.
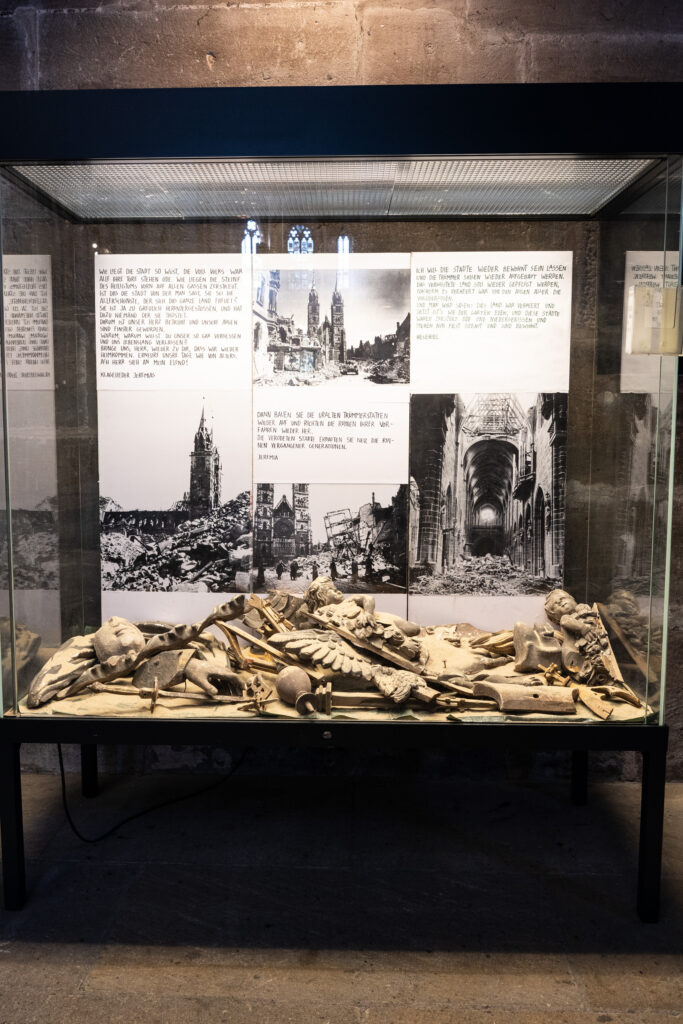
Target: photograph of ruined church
{"x": 487, "y": 493}
{"x": 323, "y": 326}
{"x": 354, "y": 533}
{"x": 199, "y": 542}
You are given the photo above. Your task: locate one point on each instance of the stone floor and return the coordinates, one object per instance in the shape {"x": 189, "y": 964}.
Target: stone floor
{"x": 344, "y": 897}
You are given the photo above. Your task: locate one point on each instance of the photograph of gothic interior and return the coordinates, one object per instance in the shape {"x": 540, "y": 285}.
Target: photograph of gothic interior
{"x": 174, "y": 492}
{"x": 354, "y": 533}
{"x": 351, "y": 327}
{"x": 487, "y": 493}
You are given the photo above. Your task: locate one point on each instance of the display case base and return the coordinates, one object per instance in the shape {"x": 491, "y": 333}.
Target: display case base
{"x": 650, "y": 741}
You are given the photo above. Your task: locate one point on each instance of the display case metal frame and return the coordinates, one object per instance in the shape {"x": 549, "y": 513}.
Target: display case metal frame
{"x": 596, "y": 120}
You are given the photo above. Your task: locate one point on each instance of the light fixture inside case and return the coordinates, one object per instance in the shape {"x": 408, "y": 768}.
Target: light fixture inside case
{"x": 421, "y": 187}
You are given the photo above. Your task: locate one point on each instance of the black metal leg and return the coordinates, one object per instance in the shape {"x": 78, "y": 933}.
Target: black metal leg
{"x": 579, "y": 787}
{"x": 651, "y": 829}
{"x": 89, "y": 781}
{"x": 12, "y": 828}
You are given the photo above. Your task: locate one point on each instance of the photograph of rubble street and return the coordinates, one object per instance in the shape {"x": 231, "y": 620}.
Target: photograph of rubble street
{"x": 169, "y": 524}
{"x": 487, "y": 493}
{"x": 351, "y": 328}
{"x": 354, "y": 533}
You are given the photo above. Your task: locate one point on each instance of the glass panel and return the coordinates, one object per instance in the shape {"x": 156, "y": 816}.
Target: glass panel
{"x": 42, "y": 435}
{"x": 633, "y": 419}
{"x": 663, "y": 470}
{"x": 370, "y": 371}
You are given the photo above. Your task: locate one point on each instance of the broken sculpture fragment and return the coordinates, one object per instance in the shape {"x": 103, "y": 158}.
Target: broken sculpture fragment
{"x": 327, "y": 653}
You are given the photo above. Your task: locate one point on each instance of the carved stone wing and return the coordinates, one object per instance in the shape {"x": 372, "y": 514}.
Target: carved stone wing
{"x": 324, "y": 649}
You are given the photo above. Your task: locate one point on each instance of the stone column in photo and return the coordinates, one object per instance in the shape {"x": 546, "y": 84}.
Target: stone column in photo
{"x": 558, "y": 442}
{"x": 430, "y": 422}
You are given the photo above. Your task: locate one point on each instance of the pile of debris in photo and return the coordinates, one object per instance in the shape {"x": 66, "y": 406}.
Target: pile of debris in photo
{"x": 207, "y": 554}
{"x": 35, "y": 547}
{"x": 488, "y": 574}
{"x": 385, "y": 371}
{"x": 324, "y": 654}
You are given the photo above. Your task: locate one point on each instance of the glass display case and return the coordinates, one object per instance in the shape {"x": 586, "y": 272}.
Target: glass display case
{"x": 395, "y": 403}
{"x": 361, "y": 418}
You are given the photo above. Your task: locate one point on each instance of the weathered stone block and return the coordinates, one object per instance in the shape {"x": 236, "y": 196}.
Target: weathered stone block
{"x": 431, "y": 45}
{"x": 604, "y": 58}
{"x": 525, "y": 17}
{"x": 231, "y": 46}
{"x": 18, "y": 50}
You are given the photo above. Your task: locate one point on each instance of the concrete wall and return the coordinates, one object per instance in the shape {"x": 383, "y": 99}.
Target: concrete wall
{"x": 47, "y": 44}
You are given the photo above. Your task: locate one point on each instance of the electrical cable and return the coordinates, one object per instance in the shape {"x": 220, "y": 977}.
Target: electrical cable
{"x": 147, "y": 810}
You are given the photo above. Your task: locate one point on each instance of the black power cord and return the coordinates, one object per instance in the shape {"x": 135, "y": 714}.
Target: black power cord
{"x": 147, "y": 810}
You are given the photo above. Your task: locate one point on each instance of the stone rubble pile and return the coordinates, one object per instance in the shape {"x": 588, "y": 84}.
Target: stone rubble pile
{"x": 208, "y": 554}
{"x": 388, "y": 371}
{"x": 296, "y": 377}
{"x": 489, "y": 574}
{"x": 36, "y": 557}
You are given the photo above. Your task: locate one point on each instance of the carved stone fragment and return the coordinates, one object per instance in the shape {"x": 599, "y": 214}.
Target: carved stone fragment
{"x": 167, "y": 667}
{"x": 558, "y": 700}
{"x": 66, "y": 665}
{"x": 117, "y": 636}
{"x": 536, "y": 647}
{"x": 325, "y": 649}
{"x": 294, "y": 687}
{"x": 213, "y": 677}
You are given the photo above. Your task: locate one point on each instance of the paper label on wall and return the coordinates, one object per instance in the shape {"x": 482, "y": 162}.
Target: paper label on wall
{"x": 172, "y": 321}
{"x": 645, "y": 270}
{"x": 336, "y": 321}
{"x": 325, "y": 437}
{"x": 491, "y": 321}
{"x": 27, "y": 297}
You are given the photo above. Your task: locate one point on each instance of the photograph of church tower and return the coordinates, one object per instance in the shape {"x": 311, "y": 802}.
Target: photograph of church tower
{"x": 205, "y": 471}
{"x": 167, "y": 523}
{"x": 325, "y": 325}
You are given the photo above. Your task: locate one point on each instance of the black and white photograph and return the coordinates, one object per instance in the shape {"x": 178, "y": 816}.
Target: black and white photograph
{"x": 353, "y": 533}
{"x": 487, "y": 493}
{"x": 175, "y": 502}
{"x": 35, "y": 530}
{"x": 324, "y": 324}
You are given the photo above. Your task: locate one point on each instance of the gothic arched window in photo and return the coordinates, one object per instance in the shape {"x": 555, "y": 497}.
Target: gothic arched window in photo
{"x": 300, "y": 240}
{"x": 252, "y": 237}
